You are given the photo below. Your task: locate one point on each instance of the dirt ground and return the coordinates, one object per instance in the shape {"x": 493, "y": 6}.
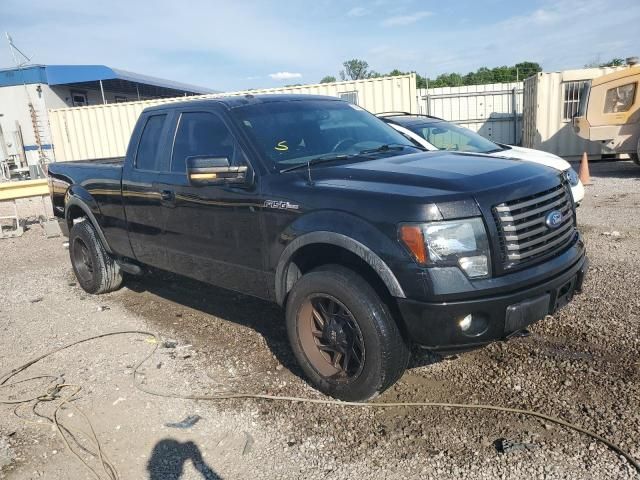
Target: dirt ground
{"x": 582, "y": 365}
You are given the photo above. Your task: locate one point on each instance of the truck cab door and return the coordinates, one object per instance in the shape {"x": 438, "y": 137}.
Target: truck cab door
{"x": 212, "y": 231}
{"x": 143, "y": 197}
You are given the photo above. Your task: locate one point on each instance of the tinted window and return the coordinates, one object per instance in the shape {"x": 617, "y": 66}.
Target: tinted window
{"x": 448, "y": 136}
{"x": 147, "y": 157}
{"x": 201, "y": 134}
{"x": 292, "y": 132}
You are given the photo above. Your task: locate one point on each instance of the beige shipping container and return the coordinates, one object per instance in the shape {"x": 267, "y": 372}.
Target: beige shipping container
{"x": 551, "y": 100}
{"x": 103, "y": 131}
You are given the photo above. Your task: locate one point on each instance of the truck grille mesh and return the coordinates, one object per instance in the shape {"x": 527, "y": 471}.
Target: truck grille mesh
{"x": 523, "y": 232}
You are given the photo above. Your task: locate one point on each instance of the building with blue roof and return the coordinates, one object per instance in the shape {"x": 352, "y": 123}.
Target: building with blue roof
{"x": 27, "y": 93}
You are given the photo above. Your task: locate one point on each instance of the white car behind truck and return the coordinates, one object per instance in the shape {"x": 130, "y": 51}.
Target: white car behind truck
{"x": 434, "y": 133}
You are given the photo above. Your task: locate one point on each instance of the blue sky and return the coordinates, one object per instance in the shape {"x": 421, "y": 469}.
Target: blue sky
{"x": 233, "y": 45}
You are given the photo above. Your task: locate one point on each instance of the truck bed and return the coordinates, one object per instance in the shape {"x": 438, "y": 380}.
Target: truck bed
{"x": 109, "y": 161}
{"x": 100, "y": 179}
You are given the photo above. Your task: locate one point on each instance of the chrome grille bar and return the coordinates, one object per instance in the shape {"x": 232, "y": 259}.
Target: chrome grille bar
{"x": 523, "y": 229}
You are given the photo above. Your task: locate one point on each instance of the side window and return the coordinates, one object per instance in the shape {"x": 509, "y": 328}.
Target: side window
{"x": 147, "y": 157}
{"x": 79, "y": 99}
{"x": 202, "y": 134}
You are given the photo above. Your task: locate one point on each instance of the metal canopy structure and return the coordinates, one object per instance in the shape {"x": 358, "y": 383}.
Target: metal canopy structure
{"x": 98, "y": 77}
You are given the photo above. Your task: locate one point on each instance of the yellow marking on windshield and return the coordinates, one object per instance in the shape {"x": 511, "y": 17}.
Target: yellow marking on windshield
{"x": 282, "y": 146}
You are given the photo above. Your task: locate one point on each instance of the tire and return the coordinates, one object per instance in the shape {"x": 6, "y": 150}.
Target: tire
{"x": 373, "y": 353}
{"x": 97, "y": 271}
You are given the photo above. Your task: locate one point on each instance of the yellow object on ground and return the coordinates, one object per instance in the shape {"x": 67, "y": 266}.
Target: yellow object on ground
{"x": 24, "y": 189}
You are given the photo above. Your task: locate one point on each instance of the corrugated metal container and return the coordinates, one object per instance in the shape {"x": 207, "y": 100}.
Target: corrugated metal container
{"x": 551, "y": 100}
{"x": 493, "y": 110}
{"x": 104, "y": 130}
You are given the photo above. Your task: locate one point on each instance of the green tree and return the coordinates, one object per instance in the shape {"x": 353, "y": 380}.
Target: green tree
{"x": 328, "y": 79}
{"x": 354, "y": 69}
{"x": 484, "y": 75}
{"x": 614, "y": 62}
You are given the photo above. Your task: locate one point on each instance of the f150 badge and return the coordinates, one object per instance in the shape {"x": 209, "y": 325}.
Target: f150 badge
{"x": 281, "y": 205}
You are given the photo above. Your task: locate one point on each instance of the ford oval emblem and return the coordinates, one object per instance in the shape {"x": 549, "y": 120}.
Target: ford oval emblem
{"x": 553, "y": 219}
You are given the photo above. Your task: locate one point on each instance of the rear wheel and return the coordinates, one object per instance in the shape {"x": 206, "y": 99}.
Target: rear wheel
{"x": 95, "y": 269}
{"x": 343, "y": 335}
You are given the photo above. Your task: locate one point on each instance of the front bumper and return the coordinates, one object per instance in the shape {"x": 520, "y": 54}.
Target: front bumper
{"x": 437, "y": 325}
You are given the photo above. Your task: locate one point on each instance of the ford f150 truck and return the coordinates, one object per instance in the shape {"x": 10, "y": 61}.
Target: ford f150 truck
{"x": 369, "y": 243}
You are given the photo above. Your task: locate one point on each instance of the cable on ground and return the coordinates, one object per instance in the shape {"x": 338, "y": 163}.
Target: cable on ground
{"x": 57, "y": 385}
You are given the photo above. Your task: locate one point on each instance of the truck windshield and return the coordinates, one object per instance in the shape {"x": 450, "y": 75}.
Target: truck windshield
{"x": 294, "y": 132}
{"x": 449, "y": 136}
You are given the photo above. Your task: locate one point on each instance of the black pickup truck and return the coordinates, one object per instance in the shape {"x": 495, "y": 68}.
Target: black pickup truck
{"x": 369, "y": 243}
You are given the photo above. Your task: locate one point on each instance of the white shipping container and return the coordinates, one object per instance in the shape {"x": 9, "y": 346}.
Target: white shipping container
{"x": 493, "y": 110}
{"x": 551, "y": 101}
{"x": 102, "y": 131}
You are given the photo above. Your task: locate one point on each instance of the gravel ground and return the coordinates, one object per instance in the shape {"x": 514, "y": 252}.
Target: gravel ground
{"x": 582, "y": 364}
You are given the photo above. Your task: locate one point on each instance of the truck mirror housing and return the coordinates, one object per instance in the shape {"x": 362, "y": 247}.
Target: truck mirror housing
{"x": 206, "y": 170}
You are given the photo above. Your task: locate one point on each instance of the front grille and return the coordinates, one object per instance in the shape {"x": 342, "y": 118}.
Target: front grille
{"x": 524, "y": 234}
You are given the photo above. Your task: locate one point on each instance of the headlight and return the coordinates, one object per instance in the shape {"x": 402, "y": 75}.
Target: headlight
{"x": 572, "y": 176}
{"x": 461, "y": 243}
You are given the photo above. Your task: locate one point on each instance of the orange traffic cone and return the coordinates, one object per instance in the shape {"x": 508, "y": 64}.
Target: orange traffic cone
{"x": 585, "y": 178}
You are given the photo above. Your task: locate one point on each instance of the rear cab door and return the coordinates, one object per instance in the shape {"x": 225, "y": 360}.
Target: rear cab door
{"x": 145, "y": 172}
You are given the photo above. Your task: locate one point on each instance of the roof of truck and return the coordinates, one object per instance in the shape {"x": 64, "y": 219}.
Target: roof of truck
{"x": 233, "y": 101}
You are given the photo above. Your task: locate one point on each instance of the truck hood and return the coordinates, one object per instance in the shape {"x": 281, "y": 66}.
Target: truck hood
{"x": 437, "y": 173}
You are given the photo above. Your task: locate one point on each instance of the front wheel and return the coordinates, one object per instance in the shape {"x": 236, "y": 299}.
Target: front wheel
{"x": 343, "y": 335}
{"x": 95, "y": 269}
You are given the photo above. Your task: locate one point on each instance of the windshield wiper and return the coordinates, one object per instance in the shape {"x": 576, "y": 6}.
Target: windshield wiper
{"x": 316, "y": 161}
{"x": 390, "y": 146}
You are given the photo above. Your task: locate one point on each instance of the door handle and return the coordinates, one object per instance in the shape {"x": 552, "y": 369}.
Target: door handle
{"x": 167, "y": 195}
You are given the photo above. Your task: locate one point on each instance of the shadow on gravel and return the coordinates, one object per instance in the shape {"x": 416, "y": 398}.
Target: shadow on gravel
{"x": 264, "y": 317}
{"x": 169, "y": 457}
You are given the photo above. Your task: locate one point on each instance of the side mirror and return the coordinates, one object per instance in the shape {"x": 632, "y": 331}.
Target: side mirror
{"x": 205, "y": 170}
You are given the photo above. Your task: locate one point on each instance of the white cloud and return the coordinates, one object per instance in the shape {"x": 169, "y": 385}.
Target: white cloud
{"x": 403, "y": 20}
{"x": 358, "y": 12}
{"x": 285, "y": 75}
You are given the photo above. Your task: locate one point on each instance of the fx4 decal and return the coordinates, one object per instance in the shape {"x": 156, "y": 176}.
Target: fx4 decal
{"x": 280, "y": 204}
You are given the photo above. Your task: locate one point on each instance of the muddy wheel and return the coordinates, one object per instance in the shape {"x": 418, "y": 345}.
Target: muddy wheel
{"x": 95, "y": 269}
{"x": 343, "y": 335}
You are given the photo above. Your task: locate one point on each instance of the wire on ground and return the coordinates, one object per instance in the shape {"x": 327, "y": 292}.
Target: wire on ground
{"x": 57, "y": 385}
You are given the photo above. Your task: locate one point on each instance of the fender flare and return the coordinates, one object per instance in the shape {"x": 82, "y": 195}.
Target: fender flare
{"x": 339, "y": 240}
{"x": 75, "y": 201}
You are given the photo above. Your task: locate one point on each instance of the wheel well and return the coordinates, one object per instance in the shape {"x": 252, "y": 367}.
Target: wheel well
{"x": 315, "y": 255}
{"x": 74, "y": 213}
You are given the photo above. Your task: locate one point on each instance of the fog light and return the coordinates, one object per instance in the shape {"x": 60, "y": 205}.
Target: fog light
{"x": 477, "y": 266}
{"x": 473, "y": 325}
{"x": 465, "y": 323}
